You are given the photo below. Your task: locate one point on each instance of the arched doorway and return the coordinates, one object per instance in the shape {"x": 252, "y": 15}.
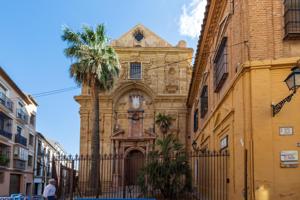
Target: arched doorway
{"x": 134, "y": 162}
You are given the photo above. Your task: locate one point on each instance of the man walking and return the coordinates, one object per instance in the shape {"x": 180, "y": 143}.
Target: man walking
{"x": 50, "y": 189}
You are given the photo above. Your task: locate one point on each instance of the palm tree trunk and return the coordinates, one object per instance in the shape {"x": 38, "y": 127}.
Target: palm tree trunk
{"x": 95, "y": 144}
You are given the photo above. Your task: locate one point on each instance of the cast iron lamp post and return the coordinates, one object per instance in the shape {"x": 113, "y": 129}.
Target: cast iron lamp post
{"x": 293, "y": 83}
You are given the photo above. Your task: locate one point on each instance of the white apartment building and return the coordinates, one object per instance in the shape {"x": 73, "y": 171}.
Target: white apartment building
{"x": 17, "y": 133}
{"x": 45, "y": 151}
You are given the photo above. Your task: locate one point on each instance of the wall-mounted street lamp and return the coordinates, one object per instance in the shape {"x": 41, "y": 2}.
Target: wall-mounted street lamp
{"x": 195, "y": 146}
{"x": 197, "y": 149}
{"x": 293, "y": 83}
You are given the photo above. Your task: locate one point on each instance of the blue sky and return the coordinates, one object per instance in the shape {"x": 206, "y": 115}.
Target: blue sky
{"x": 31, "y": 50}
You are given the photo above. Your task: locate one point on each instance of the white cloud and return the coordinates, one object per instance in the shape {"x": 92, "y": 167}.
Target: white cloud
{"x": 191, "y": 18}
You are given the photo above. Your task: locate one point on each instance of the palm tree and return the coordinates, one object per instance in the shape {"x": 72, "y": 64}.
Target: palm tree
{"x": 96, "y": 65}
{"x": 167, "y": 169}
{"x": 164, "y": 122}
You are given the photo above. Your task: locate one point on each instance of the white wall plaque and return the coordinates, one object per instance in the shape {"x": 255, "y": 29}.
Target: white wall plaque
{"x": 286, "y": 131}
{"x": 289, "y": 156}
{"x": 224, "y": 142}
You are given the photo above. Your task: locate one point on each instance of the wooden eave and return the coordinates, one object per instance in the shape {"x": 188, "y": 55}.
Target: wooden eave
{"x": 212, "y": 15}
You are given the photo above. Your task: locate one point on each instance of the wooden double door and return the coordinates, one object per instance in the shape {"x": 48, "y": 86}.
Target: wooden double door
{"x": 134, "y": 162}
{"x": 15, "y": 183}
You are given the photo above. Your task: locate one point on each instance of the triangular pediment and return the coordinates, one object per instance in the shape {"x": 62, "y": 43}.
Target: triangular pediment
{"x": 140, "y": 36}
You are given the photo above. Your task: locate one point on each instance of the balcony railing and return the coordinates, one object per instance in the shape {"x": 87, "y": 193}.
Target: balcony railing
{"x": 20, "y": 164}
{"x": 5, "y": 101}
{"x": 6, "y": 134}
{"x": 40, "y": 152}
{"x": 4, "y": 158}
{"x": 21, "y": 114}
{"x": 20, "y": 139}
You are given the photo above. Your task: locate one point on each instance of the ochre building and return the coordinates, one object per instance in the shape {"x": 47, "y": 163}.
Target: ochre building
{"x": 154, "y": 78}
{"x": 245, "y": 52}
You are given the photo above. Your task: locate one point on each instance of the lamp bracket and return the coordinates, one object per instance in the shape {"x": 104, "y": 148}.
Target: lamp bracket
{"x": 276, "y": 108}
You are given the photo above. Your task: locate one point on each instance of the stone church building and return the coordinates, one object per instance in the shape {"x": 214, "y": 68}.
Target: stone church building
{"x": 154, "y": 78}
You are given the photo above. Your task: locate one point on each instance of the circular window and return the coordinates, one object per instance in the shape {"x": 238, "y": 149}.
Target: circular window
{"x": 138, "y": 35}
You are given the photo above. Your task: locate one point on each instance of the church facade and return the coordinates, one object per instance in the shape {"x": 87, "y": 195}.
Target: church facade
{"x": 154, "y": 78}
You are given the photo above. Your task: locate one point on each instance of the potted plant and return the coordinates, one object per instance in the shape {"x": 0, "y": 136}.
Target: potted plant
{"x": 4, "y": 160}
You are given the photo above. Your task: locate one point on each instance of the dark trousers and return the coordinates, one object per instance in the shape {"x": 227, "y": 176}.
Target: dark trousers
{"x": 51, "y": 198}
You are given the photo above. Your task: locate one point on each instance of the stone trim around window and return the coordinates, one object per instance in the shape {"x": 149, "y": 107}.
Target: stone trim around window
{"x": 135, "y": 71}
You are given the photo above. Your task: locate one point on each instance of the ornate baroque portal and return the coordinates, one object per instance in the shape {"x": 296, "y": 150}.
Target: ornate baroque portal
{"x": 133, "y": 124}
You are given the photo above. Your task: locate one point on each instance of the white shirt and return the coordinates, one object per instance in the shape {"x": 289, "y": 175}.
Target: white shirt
{"x": 49, "y": 191}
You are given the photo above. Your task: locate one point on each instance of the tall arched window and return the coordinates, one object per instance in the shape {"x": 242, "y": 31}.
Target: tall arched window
{"x": 196, "y": 120}
{"x": 204, "y": 101}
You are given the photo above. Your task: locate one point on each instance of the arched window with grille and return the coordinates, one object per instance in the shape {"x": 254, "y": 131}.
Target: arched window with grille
{"x": 220, "y": 65}
{"x": 204, "y": 101}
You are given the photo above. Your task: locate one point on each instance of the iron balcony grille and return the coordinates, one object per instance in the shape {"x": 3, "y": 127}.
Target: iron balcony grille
{"x": 20, "y": 164}
{"x": 20, "y": 139}
{"x": 6, "y": 134}
{"x": 196, "y": 119}
{"x": 292, "y": 19}
{"x": 6, "y": 102}
{"x": 4, "y": 156}
{"x": 204, "y": 102}
{"x": 22, "y": 115}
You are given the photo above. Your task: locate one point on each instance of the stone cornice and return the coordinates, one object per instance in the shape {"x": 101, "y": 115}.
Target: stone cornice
{"x": 153, "y": 49}
{"x": 158, "y": 98}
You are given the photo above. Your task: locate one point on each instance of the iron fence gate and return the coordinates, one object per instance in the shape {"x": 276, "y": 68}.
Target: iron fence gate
{"x": 118, "y": 177}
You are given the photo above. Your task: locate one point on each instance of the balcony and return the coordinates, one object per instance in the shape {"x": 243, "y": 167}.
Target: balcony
{"x": 20, "y": 139}
{"x": 22, "y": 115}
{"x": 40, "y": 152}
{"x": 4, "y": 155}
{"x": 6, "y": 134}
{"x": 20, "y": 164}
{"x": 5, "y": 126}
{"x": 6, "y": 102}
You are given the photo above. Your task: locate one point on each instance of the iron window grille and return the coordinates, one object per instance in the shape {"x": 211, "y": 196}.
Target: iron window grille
{"x": 292, "y": 19}
{"x": 220, "y": 65}
{"x": 196, "y": 120}
{"x": 135, "y": 71}
{"x": 204, "y": 101}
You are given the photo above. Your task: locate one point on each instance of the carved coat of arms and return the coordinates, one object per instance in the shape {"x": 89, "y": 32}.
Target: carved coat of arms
{"x": 136, "y": 101}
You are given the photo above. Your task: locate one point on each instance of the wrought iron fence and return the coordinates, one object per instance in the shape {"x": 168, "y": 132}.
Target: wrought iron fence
{"x": 118, "y": 177}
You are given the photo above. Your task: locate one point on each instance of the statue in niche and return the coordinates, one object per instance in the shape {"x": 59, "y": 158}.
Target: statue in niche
{"x": 172, "y": 84}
